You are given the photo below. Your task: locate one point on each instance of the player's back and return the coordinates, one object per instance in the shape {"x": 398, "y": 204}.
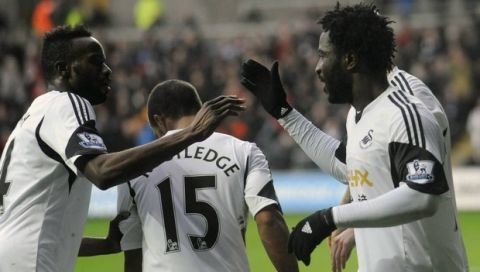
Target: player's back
{"x": 194, "y": 208}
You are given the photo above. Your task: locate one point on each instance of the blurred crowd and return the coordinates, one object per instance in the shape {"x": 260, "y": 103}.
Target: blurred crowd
{"x": 445, "y": 57}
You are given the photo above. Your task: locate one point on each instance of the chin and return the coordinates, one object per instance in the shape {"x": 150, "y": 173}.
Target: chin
{"x": 97, "y": 99}
{"x": 338, "y": 99}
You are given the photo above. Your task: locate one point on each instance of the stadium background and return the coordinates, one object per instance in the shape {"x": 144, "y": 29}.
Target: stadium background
{"x": 205, "y": 41}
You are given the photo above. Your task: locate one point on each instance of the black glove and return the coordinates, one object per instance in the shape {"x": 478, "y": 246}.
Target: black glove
{"x": 309, "y": 233}
{"x": 266, "y": 86}
{"x": 114, "y": 234}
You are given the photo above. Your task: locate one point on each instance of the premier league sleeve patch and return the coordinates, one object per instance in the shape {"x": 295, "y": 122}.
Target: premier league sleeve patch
{"x": 418, "y": 168}
{"x": 90, "y": 140}
{"x": 85, "y": 140}
{"x": 420, "y": 171}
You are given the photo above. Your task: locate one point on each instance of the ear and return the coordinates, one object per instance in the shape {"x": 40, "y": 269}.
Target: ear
{"x": 350, "y": 61}
{"x": 61, "y": 69}
{"x": 159, "y": 125}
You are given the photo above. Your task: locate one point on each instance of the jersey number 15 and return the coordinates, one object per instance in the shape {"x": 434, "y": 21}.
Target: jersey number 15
{"x": 192, "y": 206}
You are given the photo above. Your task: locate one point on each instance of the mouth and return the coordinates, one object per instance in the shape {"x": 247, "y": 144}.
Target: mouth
{"x": 106, "y": 88}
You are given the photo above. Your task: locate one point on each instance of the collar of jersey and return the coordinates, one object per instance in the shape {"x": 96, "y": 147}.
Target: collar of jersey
{"x": 170, "y": 132}
{"x": 377, "y": 100}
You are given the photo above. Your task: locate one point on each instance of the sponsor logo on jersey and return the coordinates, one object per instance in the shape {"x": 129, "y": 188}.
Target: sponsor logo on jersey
{"x": 89, "y": 140}
{"x": 359, "y": 178}
{"x": 420, "y": 171}
{"x": 367, "y": 140}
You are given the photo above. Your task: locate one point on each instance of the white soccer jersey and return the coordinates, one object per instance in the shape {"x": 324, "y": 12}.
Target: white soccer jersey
{"x": 397, "y": 140}
{"x": 193, "y": 209}
{"x": 330, "y": 155}
{"x": 44, "y": 198}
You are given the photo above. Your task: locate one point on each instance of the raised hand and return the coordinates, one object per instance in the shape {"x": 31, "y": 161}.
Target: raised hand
{"x": 213, "y": 112}
{"x": 266, "y": 86}
{"x": 309, "y": 233}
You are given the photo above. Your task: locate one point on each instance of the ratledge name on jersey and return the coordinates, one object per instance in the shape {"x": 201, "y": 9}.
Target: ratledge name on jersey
{"x": 209, "y": 155}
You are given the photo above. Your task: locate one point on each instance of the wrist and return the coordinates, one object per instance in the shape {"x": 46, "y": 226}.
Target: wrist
{"x": 326, "y": 217}
{"x": 282, "y": 110}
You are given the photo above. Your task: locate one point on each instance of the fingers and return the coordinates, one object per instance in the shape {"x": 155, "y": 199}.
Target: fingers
{"x": 253, "y": 65}
{"x": 340, "y": 252}
{"x": 274, "y": 70}
{"x": 300, "y": 249}
{"x": 223, "y": 100}
{"x": 254, "y": 71}
{"x": 248, "y": 84}
{"x": 335, "y": 255}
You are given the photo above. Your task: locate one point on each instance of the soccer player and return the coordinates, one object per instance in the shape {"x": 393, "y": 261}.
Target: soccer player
{"x": 404, "y": 220}
{"x": 55, "y": 153}
{"x": 190, "y": 213}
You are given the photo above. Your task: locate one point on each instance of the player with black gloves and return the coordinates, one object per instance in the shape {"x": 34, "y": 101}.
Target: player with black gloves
{"x": 395, "y": 161}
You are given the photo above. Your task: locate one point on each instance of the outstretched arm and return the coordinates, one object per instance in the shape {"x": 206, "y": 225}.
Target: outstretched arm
{"x": 399, "y": 206}
{"x": 107, "y": 170}
{"x": 324, "y": 150}
{"x": 327, "y": 152}
{"x": 273, "y": 232}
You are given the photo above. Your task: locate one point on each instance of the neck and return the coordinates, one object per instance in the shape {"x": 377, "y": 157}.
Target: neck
{"x": 57, "y": 85}
{"x": 180, "y": 123}
{"x": 366, "y": 89}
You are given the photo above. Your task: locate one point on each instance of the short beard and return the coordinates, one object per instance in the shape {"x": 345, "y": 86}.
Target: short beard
{"x": 94, "y": 98}
{"x": 340, "y": 85}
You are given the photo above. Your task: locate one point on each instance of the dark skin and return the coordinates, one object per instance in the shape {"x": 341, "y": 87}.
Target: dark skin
{"x": 99, "y": 246}
{"x": 88, "y": 75}
{"x": 365, "y": 86}
{"x": 271, "y": 226}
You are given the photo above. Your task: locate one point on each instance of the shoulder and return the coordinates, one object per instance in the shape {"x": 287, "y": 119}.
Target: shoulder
{"x": 229, "y": 143}
{"x": 411, "y": 85}
{"x": 410, "y": 117}
{"x": 222, "y": 138}
{"x": 66, "y": 104}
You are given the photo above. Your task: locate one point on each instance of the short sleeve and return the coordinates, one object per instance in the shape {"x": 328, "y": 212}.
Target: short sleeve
{"x": 131, "y": 228}
{"x": 68, "y": 128}
{"x": 416, "y": 149}
{"x": 259, "y": 190}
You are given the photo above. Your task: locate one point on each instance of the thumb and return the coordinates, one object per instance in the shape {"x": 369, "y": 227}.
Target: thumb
{"x": 306, "y": 260}
{"x": 274, "y": 72}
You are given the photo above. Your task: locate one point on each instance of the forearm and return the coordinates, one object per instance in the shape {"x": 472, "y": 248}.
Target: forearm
{"x": 96, "y": 246}
{"x": 133, "y": 260}
{"x": 319, "y": 146}
{"x": 111, "y": 169}
{"x": 274, "y": 233}
{"x": 399, "y": 206}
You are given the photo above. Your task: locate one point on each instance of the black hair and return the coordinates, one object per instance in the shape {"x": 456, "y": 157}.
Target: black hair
{"x": 57, "y": 45}
{"x": 173, "y": 99}
{"x": 361, "y": 30}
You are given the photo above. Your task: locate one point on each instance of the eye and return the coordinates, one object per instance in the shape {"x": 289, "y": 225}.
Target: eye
{"x": 95, "y": 60}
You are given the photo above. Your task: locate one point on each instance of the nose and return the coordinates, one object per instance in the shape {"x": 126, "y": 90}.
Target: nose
{"x": 318, "y": 67}
{"x": 106, "y": 70}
